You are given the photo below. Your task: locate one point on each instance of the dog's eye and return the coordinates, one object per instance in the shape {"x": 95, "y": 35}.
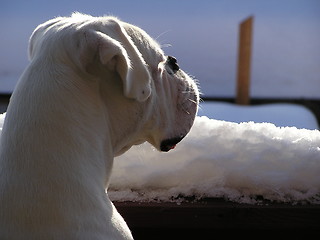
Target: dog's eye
{"x": 172, "y": 63}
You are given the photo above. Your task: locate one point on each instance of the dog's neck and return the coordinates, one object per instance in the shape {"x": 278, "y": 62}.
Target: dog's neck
{"x": 56, "y": 158}
{"x": 52, "y": 132}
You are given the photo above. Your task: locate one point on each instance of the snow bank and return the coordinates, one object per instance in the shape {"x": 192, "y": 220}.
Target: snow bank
{"x": 241, "y": 162}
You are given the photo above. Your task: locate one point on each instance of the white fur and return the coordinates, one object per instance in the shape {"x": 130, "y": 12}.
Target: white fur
{"x": 95, "y": 86}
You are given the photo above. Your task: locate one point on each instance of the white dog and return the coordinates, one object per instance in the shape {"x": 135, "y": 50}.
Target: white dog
{"x": 95, "y": 86}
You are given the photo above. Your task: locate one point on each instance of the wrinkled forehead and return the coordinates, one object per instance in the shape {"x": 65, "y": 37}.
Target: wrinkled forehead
{"x": 148, "y": 47}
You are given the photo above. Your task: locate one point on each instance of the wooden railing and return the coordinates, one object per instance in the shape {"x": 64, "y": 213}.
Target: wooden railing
{"x": 244, "y": 61}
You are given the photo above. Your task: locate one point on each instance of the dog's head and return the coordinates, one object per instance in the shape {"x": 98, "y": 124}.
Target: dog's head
{"x": 146, "y": 95}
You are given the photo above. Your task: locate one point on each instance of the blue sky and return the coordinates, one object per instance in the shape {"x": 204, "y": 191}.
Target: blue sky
{"x": 202, "y": 34}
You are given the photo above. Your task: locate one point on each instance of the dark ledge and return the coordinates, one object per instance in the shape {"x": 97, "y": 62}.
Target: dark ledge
{"x": 147, "y": 220}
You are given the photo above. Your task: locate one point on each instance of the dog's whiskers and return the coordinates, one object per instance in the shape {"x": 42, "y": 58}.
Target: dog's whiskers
{"x": 187, "y": 112}
{"x": 166, "y": 45}
{"x": 193, "y": 101}
{"x": 165, "y": 32}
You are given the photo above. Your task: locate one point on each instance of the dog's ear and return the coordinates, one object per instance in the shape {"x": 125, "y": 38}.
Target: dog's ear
{"x": 117, "y": 52}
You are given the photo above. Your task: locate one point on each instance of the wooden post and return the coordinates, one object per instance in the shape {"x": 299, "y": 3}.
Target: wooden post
{"x": 244, "y": 61}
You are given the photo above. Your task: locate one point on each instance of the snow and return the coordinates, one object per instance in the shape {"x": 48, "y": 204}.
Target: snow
{"x": 2, "y": 117}
{"x": 242, "y": 162}
{"x": 280, "y": 114}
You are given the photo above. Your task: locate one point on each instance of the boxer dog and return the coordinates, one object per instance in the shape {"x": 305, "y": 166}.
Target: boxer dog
{"x": 94, "y": 87}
